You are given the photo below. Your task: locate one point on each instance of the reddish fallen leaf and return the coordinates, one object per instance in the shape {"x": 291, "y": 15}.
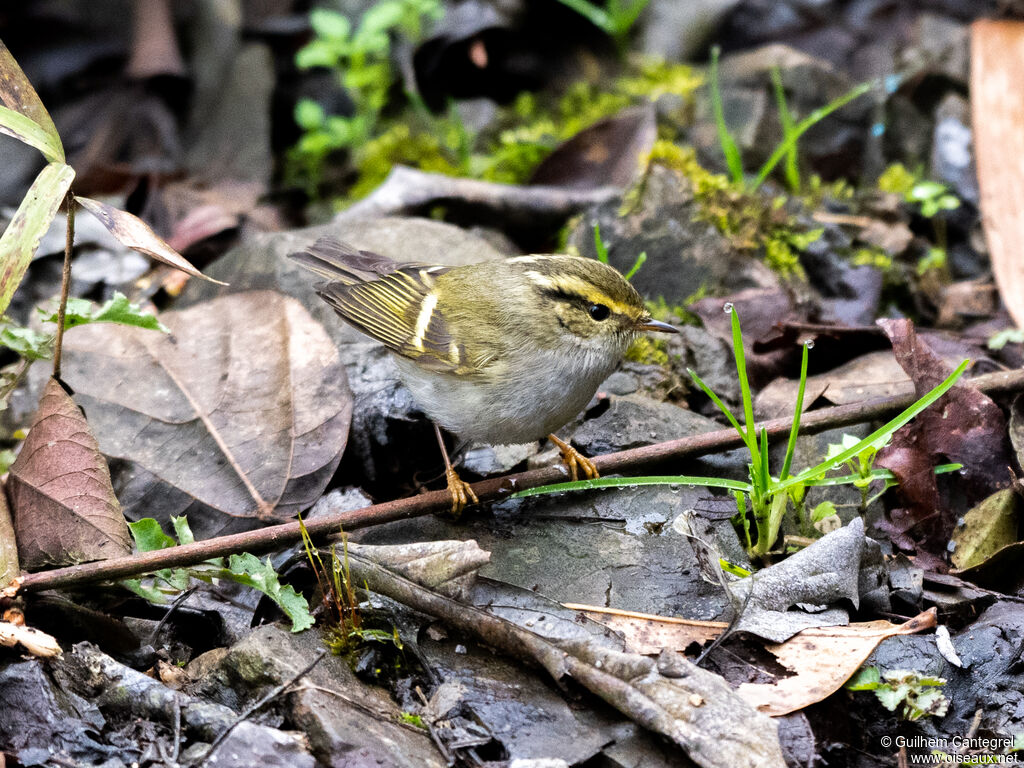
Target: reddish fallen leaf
{"x": 823, "y": 658}
{"x": 608, "y": 153}
{"x": 965, "y": 426}
{"x": 136, "y": 234}
{"x": 64, "y": 507}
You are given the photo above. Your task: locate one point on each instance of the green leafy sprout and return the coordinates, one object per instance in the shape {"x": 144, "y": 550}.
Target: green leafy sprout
{"x": 602, "y": 253}
{"x": 244, "y": 568}
{"x": 915, "y": 695}
{"x": 765, "y": 496}
{"x": 792, "y": 131}
{"x": 615, "y": 18}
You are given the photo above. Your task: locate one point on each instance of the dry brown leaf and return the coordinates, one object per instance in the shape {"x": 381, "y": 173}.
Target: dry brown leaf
{"x": 823, "y": 658}
{"x": 9, "y": 568}
{"x": 607, "y": 153}
{"x": 648, "y": 634}
{"x": 64, "y": 507}
{"x": 133, "y": 232}
{"x": 997, "y": 106}
{"x": 243, "y": 409}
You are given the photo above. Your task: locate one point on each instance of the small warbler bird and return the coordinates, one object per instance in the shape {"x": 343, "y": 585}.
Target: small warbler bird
{"x": 499, "y": 352}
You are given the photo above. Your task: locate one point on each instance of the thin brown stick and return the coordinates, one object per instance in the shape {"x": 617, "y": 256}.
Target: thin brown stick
{"x": 649, "y": 457}
{"x": 65, "y": 284}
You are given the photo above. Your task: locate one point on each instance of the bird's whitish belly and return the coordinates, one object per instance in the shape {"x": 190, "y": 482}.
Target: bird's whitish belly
{"x": 496, "y": 411}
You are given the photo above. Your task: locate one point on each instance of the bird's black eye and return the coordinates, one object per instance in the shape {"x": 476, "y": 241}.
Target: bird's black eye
{"x": 599, "y": 311}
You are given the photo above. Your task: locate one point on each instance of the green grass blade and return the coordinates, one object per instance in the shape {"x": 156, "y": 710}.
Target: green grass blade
{"x": 880, "y": 435}
{"x": 636, "y": 265}
{"x": 627, "y": 15}
{"x": 766, "y": 475}
{"x": 876, "y": 474}
{"x": 792, "y": 168}
{"x": 592, "y": 13}
{"x": 793, "y": 430}
{"x": 631, "y": 482}
{"x": 802, "y": 127}
{"x": 599, "y": 246}
{"x": 721, "y": 406}
{"x": 725, "y": 139}
{"x": 741, "y": 374}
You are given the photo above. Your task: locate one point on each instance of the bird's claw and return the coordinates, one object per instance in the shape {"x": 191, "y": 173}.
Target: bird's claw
{"x": 461, "y": 491}
{"x": 575, "y": 461}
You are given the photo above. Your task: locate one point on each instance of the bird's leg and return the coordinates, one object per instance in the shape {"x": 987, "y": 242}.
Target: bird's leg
{"x": 574, "y": 460}
{"x": 461, "y": 491}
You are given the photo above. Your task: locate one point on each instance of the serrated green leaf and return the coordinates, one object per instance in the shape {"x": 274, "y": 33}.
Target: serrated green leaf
{"x": 891, "y": 696}
{"x": 182, "y": 529}
{"x": 865, "y": 679}
{"x": 117, "y": 310}
{"x": 149, "y": 536}
{"x": 30, "y": 344}
{"x": 248, "y": 569}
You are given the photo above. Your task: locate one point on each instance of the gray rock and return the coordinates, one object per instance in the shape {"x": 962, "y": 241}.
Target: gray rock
{"x": 634, "y": 421}
{"x": 939, "y": 45}
{"x": 677, "y": 31}
{"x": 953, "y": 148}
{"x": 613, "y": 547}
{"x": 682, "y": 254}
{"x": 338, "y": 732}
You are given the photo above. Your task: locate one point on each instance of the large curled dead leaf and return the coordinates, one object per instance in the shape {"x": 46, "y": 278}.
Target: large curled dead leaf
{"x": 243, "y": 409}
{"x": 64, "y": 507}
{"x": 135, "y": 233}
{"x": 9, "y": 567}
{"x": 823, "y": 658}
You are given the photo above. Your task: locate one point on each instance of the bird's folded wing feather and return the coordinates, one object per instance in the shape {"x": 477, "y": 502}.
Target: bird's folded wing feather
{"x": 400, "y": 310}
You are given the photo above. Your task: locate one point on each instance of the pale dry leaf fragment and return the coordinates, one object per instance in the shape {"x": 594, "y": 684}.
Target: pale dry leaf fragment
{"x": 823, "y": 658}
{"x": 997, "y": 107}
{"x": 32, "y": 640}
{"x": 450, "y": 567}
{"x": 133, "y": 232}
{"x": 243, "y": 409}
{"x": 649, "y": 634}
{"x": 63, "y": 504}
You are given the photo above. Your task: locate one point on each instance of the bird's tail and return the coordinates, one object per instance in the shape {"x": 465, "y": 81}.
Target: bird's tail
{"x": 337, "y": 261}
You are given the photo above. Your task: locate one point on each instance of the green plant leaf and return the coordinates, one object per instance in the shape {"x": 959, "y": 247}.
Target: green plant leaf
{"x": 117, "y": 310}
{"x": 725, "y": 140}
{"x": 633, "y": 482}
{"x": 17, "y": 93}
{"x": 30, "y": 344}
{"x": 803, "y": 126}
{"x": 248, "y": 569}
{"x": 329, "y": 24}
{"x": 29, "y": 224}
{"x": 865, "y": 679}
{"x": 149, "y": 536}
{"x": 881, "y": 435}
{"x": 28, "y": 131}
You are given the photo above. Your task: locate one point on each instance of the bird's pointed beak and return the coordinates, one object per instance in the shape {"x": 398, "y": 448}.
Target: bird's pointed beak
{"x": 649, "y": 324}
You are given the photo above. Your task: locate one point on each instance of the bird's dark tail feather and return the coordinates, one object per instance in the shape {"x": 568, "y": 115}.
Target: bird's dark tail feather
{"x": 334, "y": 260}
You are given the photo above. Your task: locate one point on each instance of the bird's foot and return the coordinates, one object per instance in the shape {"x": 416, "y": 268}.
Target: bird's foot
{"x": 461, "y": 491}
{"x": 575, "y": 461}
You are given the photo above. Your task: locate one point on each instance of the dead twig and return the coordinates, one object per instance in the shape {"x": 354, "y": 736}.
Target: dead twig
{"x": 651, "y": 457}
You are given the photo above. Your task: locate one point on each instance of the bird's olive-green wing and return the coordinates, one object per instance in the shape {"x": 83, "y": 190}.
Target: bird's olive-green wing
{"x": 400, "y": 310}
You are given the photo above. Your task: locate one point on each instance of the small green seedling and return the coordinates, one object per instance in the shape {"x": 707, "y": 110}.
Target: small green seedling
{"x": 602, "y": 253}
{"x": 615, "y": 18}
{"x": 245, "y": 569}
{"x": 792, "y": 131}
{"x": 915, "y": 695}
{"x": 765, "y": 496}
